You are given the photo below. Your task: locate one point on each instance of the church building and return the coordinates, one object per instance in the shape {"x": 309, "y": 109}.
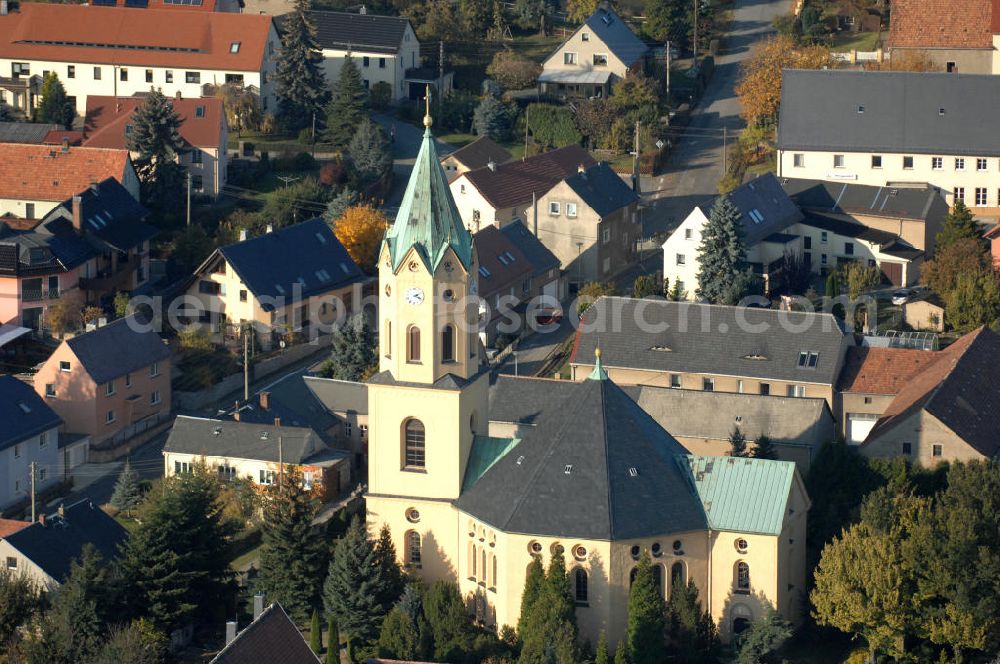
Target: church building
{"x": 597, "y": 478}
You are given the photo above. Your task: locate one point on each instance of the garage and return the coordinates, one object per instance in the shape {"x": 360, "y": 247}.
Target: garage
{"x": 893, "y": 272}
{"x": 858, "y": 427}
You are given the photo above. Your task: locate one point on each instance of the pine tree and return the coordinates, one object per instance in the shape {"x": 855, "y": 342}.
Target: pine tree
{"x": 621, "y": 653}
{"x": 315, "y": 634}
{"x": 156, "y": 137}
{"x": 292, "y": 557}
{"x": 399, "y": 638}
{"x": 54, "y": 106}
{"x": 127, "y": 494}
{"x": 448, "y": 621}
{"x": 550, "y": 631}
{"x": 691, "y": 633}
{"x": 738, "y": 443}
{"x": 763, "y": 637}
{"x": 559, "y": 591}
{"x": 491, "y": 118}
{"x": 336, "y": 208}
{"x": 353, "y": 351}
{"x": 721, "y": 254}
{"x": 347, "y": 106}
{"x": 370, "y": 156}
{"x": 332, "y": 641}
{"x": 958, "y": 224}
{"x": 302, "y": 91}
{"x": 645, "y": 616}
{"x": 533, "y": 585}
{"x": 354, "y": 586}
{"x": 390, "y": 572}
{"x": 763, "y": 448}
{"x": 676, "y": 293}
{"x": 602, "y": 656}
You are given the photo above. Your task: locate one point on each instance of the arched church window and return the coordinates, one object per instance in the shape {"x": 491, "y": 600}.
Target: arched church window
{"x": 448, "y": 344}
{"x": 388, "y": 338}
{"x": 580, "y": 582}
{"x": 413, "y": 344}
{"x": 677, "y": 575}
{"x": 413, "y": 547}
{"x": 413, "y": 444}
{"x": 742, "y": 577}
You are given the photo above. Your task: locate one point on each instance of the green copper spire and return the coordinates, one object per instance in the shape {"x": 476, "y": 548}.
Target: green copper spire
{"x": 428, "y": 219}
{"x": 598, "y": 373}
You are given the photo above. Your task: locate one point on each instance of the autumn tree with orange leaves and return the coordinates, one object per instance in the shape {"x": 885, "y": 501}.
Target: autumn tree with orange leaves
{"x": 759, "y": 88}
{"x": 361, "y": 230}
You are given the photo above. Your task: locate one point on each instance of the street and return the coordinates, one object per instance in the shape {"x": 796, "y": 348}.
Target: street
{"x": 404, "y": 153}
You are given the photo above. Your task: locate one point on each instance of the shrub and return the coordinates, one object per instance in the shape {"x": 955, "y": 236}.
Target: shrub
{"x": 332, "y": 173}
{"x": 380, "y": 96}
{"x": 303, "y": 161}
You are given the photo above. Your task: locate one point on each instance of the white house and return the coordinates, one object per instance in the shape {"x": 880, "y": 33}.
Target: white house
{"x": 29, "y": 437}
{"x": 118, "y": 51}
{"x": 889, "y": 129}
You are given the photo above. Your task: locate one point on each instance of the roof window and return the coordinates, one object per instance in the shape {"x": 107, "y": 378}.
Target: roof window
{"x": 808, "y": 359}
{"x": 199, "y": 111}
{"x": 234, "y": 47}
{"x": 861, "y": 109}
{"x": 25, "y": 407}
{"x": 483, "y": 272}
{"x": 756, "y": 216}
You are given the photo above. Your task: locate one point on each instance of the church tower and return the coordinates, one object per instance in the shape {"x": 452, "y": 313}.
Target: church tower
{"x": 430, "y": 398}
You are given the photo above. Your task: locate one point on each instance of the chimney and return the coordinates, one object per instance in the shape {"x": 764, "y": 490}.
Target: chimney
{"x": 243, "y": 235}
{"x": 265, "y": 400}
{"x": 77, "y": 212}
{"x": 270, "y": 228}
{"x": 4, "y": 9}
{"x": 65, "y": 144}
{"x": 178, "y": 95}
{"x": 230, "y": 631}
{"x": 93, "y": 186}
{"x": 581, "y": 169}
{"x": 492, "y": 165}
{"x": 41, "y": 518}
{"x": 62, "y": 512}
{"x": 258, "y": 605}
{"x": 236, "y": 411}
{"x": 277, "y": 421}
{"x": 363, "y": 11}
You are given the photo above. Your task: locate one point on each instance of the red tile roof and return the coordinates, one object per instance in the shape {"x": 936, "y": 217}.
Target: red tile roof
{"x": 943, "y": 23}
{"x": 10, "y": 526}
{"x": 107, "y": 117}
{"x": 882, "y": 370}
{"x": 46, "y": 173}
{"x": 57, "y": 137}
{"x": 513, "y": 183}
{"x": 126, "y": 36}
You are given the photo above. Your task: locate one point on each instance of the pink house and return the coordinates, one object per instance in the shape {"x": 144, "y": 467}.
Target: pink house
{"x": 112, "y": 381}
{"x": 993, "y": 235}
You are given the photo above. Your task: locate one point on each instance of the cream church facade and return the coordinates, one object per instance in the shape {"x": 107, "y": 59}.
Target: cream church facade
{"x": 597, "y": 479}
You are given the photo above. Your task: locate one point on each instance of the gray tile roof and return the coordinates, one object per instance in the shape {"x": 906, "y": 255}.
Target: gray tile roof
{"x": 359, "y": 32}
{"x": 542, "y": 260}
{"x": 242, "y": 440}
{"x": 26, "y": 132}
{"x": 339, "y": 396}
{"x": 903, "y": 112}
{"x": 291, "y": 400}
{"x": 596, "y": 467}
{"x": 118, "y": 348}
{"x": 712, "y": 339}
{"x": 272, "y": 637}
{"x": 23, "y": 413}
{"x": 602, "y": 189}
{"x": 773, "y": 207}
{"x": 60, "y": 540}
{"x": 615, "y": 33}
{"x": 910, "y": 202}
{"x": 110, "y": 215}
{"x": 479, "y": 153}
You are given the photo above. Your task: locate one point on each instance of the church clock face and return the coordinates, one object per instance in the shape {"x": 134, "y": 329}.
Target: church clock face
{"x": 414, "y": 296}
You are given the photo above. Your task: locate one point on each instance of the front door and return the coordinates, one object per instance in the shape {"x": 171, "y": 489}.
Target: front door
{"x": 32, "y": 318}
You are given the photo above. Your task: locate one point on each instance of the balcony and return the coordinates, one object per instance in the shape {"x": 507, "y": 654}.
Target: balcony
{"x": 109, "y": 280}
{"x": 39, "y": 294}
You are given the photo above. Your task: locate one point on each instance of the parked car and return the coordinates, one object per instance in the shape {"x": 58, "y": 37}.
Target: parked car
{"x": 901, "y": 296}
{"x": 549, "y": 316}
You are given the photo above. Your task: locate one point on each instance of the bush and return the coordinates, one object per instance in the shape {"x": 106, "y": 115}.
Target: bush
{"x": 303, "y": 161}
{"x": 513, "y": 71}
{"x": 457, "y": 110}
{"x": 380, "y": 96}
{"x": 305, "y": 136}
{"x": 194, "y": 339}
{"x": 552, "y": 126}
{"x": 333, "y": 173}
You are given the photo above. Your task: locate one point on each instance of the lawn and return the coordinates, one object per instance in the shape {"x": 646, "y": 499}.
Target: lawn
{"x": 537, "y": 47}
{"x": 844, "y": 42}
{"x": 244, "y": 561}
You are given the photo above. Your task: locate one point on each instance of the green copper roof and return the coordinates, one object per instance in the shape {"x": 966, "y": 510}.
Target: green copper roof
{"x": 428, "y": 219}
{"x": 486, "y": 451}
{"x": 740, "y": 494}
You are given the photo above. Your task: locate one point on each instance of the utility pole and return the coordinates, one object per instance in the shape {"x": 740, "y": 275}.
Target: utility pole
{"x": 668, "y": 78}
{"x": 525, "y": 155}
{"x": 635, "y": 161}
{"x": 189, "y": 198}
{"x": 281, "y": 463}
{"x": 33, "y": 516}
{"x": 695, "y": 47}
{"x": 440, "y": 76}
{"x": 246, "y": 363}
{"x": 725, "y": 151}
{"x": 314, "y": 135}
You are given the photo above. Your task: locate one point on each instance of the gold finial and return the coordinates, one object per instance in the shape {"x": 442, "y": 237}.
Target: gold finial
{"x": 428, "y": 121}
{"x": 597, "y": 353}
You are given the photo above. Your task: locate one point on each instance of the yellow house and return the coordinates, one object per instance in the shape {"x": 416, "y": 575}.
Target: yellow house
{"x": 597, "y": 479}
{"x": 296, "y": 279}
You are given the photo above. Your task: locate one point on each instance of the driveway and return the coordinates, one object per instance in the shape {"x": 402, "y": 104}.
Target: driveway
{"x": 404, "y": 153}
{"x": 695, "y": 167}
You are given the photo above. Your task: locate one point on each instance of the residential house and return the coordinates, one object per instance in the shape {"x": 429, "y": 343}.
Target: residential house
{"x": 956, "y": 37}
{"x": 118, "y": 51}
{"x": 36, "y": 178}
{"x": 590, "y": 221}
{"x": 504, "y": 283}
{"x": 949, "y": 411}
{"x": 29, "y": 435}
{"x": 870, "y": 380}
{"x": 45, "y": 550}
{"x": 88, "y": 247}
{"x": 203, "y": 129}
{"x": 29, "y": 132}
{"x": 925, "y": 311}
{"x": 893, "y": 129}
{"x": 271, "y": 637}
{"x": 599, "y": 53}
{"x": 546, "y": 281}
{"x": 296, "y": 279}
{"x": 258, "y": 451}
{"x": 189, "y": 5}
{"x": 497, "y": 194}
{"x": 993, "y": 236}
{"x": 713, "y": 348}
{"x": 700, "y": 421}
{"x": 109, "y": 383}
{"x": 385, "y": 49}
{"x": 478, "y": 154}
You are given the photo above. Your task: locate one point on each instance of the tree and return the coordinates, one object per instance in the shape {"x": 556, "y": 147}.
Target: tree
{"x": 676, "y": 293}
{"x": 353, "y": 353}
{"x": 833, "y": 284}
{"x": 393, "y": 582}
{"x": 759, "y": 87}
{"x": 120, "y": 304}
{"x": 552, "y": 126}
{"x": 962, "y": 256}
{"x": 645, "y": 616}
{"x": 332, "y": 641}
{"x": 974, "y": 301}
{"x": 347, "y": 107}
{"x": 337, "y": 206}
{"x": 448, "y": 621}
{"x": 315, "y": 635}
{"x": 243, "y": 112}
{"x": 594, "y": 118}
{"x": 135, "y": 643}
{"x": 156, "y": 138}
{"x": 442, "y": 22}
{"x": 533, "y": 584}
{"x": 646, "y": 286}
{"x": 399, "y": 638}
{"x": 621, "y": 653}
{"x": 763, "y": 637}
{"x": 578, "y": 11}
{"x": 860, "y": 278}
{"x": 370, "y": 155}
{"x": 54, "y": 106}
{"x": 550, "y": 631}
{"x": 763, "y": 448}
{"x": 666, "y": 20}
{"x": 287, "y": 205}
{"x": 65, "y": 315}
{"x": 302, "y": 91}
{"x": 492, "y": 118}
{"x": 959, "y": 224}
{"x": 591, "y": 292}
{"x": 743, "y": 285}
{"x": 512, "y": 70}
{"x": 691, "y": 634}
{"x": 127, "y": 493}
{"x": 19, "y": 600}
{"x": 191, "y": 247}
{"x": 292, "y": 558}
{"x": 721, "y": 254}
{"x": 737, "y": 443}
{"x": 475, "y": 18}
{"x": 380, "y": 96}
{"x": 602, "y": 656}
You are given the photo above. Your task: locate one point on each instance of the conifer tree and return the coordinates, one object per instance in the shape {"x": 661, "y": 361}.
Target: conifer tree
{"x": 533, "y": 585}
{"x": 332, "y": 641}
{"x": 763, "y": 448}
{"x": 336, "y": 208}
{"x": 390, "y": 572}
{"x": 369, "y": 152}
{"x": 302, "y": 90}
{"x": 54, "y": 106}
{"x": 399, "y": 638}
{"x": 127, "y": 494}
{"x": 347, "y": 106}
{"x": 738, "y": 443}
{"x": 691, "y": 633}
{"x": 621, "y": 653}
{"x": 491, "y": 118}
{"x": 448, "y": 621}
{"x": 352, "y": 353}
{"x": 549, "y": 632}
{"x": 958, "y": 224}
{"x": 156, "y": 137}
{"x": 315, "y": 635}
{"x": 721, "y": 254}
{"x": 645, "y": 616}
{"x": 602, "y": 656}
{"x": 292, "y": 557}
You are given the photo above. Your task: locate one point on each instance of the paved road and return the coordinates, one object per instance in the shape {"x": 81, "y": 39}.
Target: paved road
{"x": 404, "y": 153}
{"x": 695, "y": 168}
